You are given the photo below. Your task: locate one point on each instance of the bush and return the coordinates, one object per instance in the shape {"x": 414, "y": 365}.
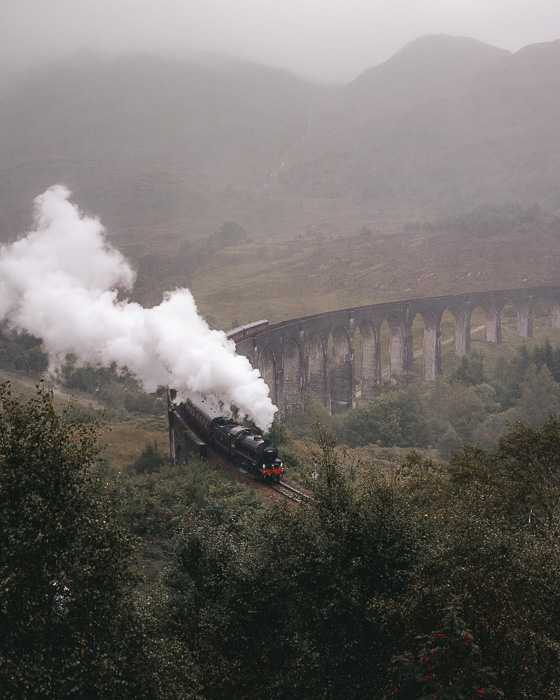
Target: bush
{"x": 151, "y": 460}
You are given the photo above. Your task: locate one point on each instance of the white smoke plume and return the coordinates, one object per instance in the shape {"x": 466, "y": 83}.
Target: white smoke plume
{"x": 60, "y": 283}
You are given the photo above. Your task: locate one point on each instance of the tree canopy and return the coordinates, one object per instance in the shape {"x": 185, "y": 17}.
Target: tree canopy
{"x": 70, "y": 626}
{"x": 414, "y": 580}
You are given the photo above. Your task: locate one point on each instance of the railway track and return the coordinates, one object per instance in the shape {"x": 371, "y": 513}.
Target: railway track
{"x": 281, "y": 487}
{"x": 289, "y": 492}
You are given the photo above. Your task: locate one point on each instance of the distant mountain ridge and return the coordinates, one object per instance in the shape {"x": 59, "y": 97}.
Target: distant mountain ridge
{"x": 166, "y": 151}
{"x": 426, "y": 67}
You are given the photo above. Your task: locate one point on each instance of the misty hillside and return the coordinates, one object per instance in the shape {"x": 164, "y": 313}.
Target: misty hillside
{"x": 427, "y": 68}
{"x": 152, "y": 146}
{"x": 164, "y": 151}
{"x": 444, "y": 125}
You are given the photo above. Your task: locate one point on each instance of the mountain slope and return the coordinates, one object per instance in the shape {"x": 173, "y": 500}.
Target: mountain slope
{"x": 444, "y": 125}
{"x": 150, "y": 143}
{"x": 165, "y": 151}
{"x": 426, "y": 68}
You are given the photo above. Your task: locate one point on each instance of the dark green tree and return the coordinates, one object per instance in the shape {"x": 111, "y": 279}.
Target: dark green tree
{"x": 448, "y": 665}
{"x": 508, "y": 377}
{"x": 152, "y": 459}
{"x": 543, "y": 354}
{"x": 22, "y": 352}
{"x": 531, "y": 459}
{"x": 302, "y": 423}
{"x": 540, "y": 397}
{"x": 492, "y": 555}
{"x": 448, "y": 442}
{"x": 462, "y": 407}
{"x": 471, "y": 369}
{"x": 69, "y": 624}
{"x": 397, "y": 418}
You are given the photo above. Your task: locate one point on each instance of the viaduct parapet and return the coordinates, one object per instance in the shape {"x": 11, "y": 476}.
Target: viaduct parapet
{"x": 319, "y": 351}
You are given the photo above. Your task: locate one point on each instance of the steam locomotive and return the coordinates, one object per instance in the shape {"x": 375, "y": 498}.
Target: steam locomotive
{"x": 236, "y": 441}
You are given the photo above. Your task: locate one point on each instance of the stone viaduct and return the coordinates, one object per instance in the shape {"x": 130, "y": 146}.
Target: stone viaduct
{"x": 319, "y": 351}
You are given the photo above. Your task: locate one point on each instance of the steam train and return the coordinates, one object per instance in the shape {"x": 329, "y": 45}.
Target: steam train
{"x": 237, "y": 442}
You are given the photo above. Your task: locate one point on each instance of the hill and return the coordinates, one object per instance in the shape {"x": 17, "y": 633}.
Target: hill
{"x": 166, "y": 152}
{"x": 316, "y": 274}
{"x": 161, "y": 150}
{"x": 444, "y": 125}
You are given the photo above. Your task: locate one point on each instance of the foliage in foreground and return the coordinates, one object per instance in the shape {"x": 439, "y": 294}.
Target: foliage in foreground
{"x": 69, "y": 619}
{"x": 424, "y": 581}
{"x": 444, "y": 583}
{"x": 305, "y": 604}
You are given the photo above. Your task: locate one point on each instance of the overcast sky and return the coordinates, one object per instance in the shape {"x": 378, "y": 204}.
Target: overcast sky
{"x": 331, "y": 40}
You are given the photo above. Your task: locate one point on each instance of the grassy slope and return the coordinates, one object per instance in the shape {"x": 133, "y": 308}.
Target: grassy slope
{"x": 122, "y": 442}
{"x": 297, "y": 278}
{"x": 125, "y": 442}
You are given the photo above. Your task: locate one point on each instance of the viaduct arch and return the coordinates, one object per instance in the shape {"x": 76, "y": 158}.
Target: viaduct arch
{"x": 319, "y": 351}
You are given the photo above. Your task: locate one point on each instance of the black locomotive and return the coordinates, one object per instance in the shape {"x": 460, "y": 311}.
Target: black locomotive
{"x": 236, "y": 441}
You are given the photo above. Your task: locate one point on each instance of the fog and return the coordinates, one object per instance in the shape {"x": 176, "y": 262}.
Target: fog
{"x": 326, "y": 40}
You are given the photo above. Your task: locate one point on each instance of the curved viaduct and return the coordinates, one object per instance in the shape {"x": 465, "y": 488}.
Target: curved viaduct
{"x": 318, "y": 351}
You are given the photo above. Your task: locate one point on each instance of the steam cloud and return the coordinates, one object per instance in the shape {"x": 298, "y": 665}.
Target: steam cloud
{"x": 60, "y": 283}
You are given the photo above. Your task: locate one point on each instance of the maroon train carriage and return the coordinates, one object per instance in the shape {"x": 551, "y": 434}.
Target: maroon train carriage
{"x": 200, "y": 415}
{"x": 184, "y": 441}
{"x": 247, "y": 331}
{"x": 239, "y": 443}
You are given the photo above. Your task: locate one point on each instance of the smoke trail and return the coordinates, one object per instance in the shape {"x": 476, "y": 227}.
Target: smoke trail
{"x": 60, "y": 283}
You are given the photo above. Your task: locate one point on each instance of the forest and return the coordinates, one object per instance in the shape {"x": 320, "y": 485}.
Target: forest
{"x": 430, "y": 570}
{"x": 473, "y": 404}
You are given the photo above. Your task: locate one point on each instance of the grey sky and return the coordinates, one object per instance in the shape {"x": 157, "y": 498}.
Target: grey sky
{"x": 323, "y": 39}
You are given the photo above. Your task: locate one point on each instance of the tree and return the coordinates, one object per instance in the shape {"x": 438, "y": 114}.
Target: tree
{"x": 302, "y": 423}
{"x": 448, "y": 442}
{"x": 150, "y": 460}
{"x": 492, "y": 555}
{"x": 462, "y": 407}
{"x": 398, "y": 418}
{"x": 69, "y": 624}
{"x": 22, "y": 352}
{"x": 531, "y": 459}
{"x": 471, "y": 369}
{"x": 448, "y": 665}
{"x": 508, "y": 377}
{"x": 540, "y": 397}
